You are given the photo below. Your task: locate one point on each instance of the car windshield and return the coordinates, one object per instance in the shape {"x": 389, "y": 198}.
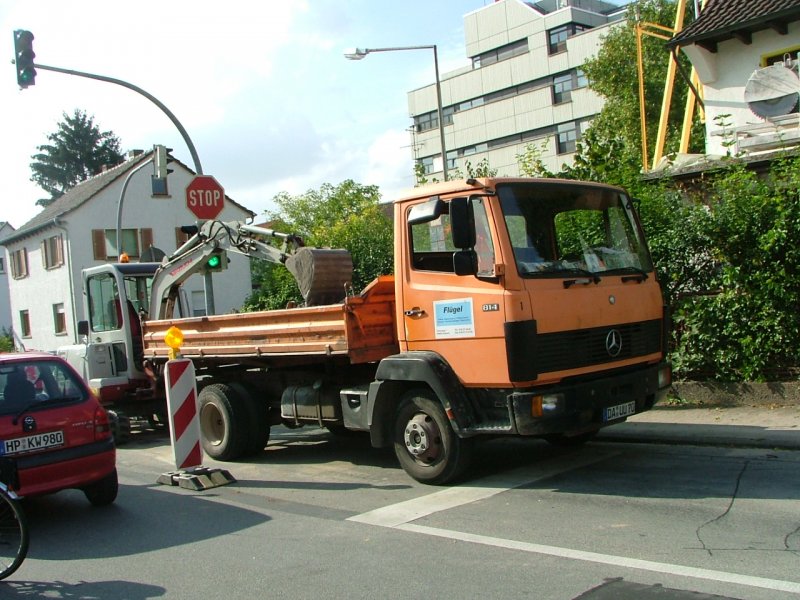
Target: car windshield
{"x": 560, "y": 229}
{"x": 28, "y": 384}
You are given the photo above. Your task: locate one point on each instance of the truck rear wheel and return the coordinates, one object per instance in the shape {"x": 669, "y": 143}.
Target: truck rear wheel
{"x": 425, "y": 444}
{"x": 224, "y": 427}
{"x": 257, "y": 422}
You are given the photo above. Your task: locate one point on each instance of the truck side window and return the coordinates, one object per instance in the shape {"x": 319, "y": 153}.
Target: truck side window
{"x": 104, "y": 310}
{"x": 432, "y": 243}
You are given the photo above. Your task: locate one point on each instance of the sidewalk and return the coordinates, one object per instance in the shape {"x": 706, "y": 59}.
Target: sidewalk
{"x": 747, "y": 422}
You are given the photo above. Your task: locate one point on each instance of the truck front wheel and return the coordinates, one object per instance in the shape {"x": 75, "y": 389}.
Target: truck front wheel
{"x": 425, "y": 444}
{"x": 224, "y": 430}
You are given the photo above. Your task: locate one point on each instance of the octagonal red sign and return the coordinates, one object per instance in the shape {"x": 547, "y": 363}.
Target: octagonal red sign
{"x": 205, "y": 197}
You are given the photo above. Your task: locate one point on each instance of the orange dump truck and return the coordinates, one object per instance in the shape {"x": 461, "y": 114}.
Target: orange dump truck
{"x": 517, "y": 307}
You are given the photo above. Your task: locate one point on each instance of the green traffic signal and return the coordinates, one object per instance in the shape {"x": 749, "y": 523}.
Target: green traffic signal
{"x": 23, "y": 58}
{"x": 218, "y": 261}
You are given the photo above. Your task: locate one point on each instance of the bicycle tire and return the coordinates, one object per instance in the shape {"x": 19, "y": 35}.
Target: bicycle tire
{"x": 14, "y": 534}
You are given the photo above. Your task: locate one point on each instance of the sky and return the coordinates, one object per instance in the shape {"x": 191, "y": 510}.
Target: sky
{"x": 262, "y": 88}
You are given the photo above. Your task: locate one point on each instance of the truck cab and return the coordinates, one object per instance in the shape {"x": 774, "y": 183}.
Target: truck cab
{"x": 116, "y": 301}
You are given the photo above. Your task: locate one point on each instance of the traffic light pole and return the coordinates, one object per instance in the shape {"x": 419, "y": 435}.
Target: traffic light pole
{"x": 198, "y": 169}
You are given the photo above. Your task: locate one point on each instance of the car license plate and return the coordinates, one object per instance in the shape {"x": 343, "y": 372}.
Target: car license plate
{"x": 30, "y": 443}
{"x": 620, "y": 410}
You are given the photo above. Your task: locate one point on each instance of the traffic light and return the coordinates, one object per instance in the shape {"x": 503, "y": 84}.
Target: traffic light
{"x": 23, "y": 58}
{"x": 161, "y": 159}
{"x": 217, "y": 262}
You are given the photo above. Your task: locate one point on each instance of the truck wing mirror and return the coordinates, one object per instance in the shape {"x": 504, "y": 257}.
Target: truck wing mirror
{"x": 427, "y": 211}
{"x": 465, "y": 262}
{"x": 462, "y": 222}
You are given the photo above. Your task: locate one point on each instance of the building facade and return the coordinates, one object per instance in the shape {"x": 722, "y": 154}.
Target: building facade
{"x": 524, "y": 86}
{"x": 6, "y": 229}
{"x": 727, "y": 44}
{"x": 45, "y": 256}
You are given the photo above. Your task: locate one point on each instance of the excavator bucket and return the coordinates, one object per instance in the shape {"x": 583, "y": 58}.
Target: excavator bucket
{"x": 322, "y": 274}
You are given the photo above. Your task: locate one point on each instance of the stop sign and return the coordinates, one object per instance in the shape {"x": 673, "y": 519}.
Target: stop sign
{"x": 205, "y": 197}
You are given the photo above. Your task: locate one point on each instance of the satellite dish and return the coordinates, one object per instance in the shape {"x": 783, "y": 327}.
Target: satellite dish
{"x": 152, "y": 254}
{"x": 772, "y": 91}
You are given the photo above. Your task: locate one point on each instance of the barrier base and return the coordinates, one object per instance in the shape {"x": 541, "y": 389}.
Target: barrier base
{"x": 197, "y": 478}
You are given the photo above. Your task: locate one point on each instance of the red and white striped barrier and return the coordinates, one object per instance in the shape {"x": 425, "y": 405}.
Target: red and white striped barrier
{"x": 184, "y": 424}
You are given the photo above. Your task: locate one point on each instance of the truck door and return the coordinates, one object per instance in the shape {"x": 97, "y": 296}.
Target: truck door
{"x": 110, "y": 324}
{"x": 461, "y": 317}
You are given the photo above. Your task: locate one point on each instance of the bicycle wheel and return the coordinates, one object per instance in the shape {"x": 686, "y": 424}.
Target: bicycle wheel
{"x": 13, "y": 535}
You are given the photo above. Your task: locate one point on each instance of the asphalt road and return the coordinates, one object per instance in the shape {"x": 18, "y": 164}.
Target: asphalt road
{"x": 318, "y": 516}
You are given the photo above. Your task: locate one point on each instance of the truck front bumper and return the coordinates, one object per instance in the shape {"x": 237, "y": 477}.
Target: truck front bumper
{"x": 577, "y": 407}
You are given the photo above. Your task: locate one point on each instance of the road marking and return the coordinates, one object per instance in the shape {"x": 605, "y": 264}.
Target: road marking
{"x": 395, "y": 515}
{"x": 609, "y": 559}
{"x": 400, "y": 516}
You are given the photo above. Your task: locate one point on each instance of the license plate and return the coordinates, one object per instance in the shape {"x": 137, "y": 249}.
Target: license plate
{"x": 620, "y": 410}
{"x": 30, "y": 443}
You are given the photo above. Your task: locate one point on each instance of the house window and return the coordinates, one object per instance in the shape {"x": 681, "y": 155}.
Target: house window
{"x": 562, "y": 88}
{"x": 567, "y": 136}
{"x": 25, "y": 323}
{"x": 59, "y": 319}
{"x": 2, "y": 265}
{"x": 52, "y": 252}
{"x": 19, "y": 263}
{"x": 557, "y": 38}
{"x": 779, "y": 57}
{"x": 499, "y": 54}
{"x": 134, "y": 241}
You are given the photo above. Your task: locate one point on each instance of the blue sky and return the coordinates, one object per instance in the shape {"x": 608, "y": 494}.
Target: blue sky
{"x": 263, "y": 88}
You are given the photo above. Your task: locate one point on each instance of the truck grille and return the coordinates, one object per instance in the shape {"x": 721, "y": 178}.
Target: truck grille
{"x": 586, "y": 347}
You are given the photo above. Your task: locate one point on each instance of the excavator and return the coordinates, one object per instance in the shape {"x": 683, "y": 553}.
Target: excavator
{"x": 118, "y": 297}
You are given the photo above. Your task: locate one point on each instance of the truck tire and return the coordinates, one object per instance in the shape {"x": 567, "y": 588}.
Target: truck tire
{"x": 224, "y": 428}
{"x": 120, "y": 427}
{"x": 425, "y": 444}
{"x": 257, "y": 422}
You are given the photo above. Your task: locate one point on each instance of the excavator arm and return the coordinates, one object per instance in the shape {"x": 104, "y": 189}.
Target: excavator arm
{"x": 322, "y": 274}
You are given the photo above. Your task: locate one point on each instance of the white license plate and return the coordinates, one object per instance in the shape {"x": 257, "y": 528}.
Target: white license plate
{"x": 620, "y": 410}
{"x": 30, "y": 443}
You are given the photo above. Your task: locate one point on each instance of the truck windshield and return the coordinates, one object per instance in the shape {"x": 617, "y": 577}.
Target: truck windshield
{"x": 562, "y": 228}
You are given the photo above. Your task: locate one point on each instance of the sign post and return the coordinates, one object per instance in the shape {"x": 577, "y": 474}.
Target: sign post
{"x": 184, "y": 424}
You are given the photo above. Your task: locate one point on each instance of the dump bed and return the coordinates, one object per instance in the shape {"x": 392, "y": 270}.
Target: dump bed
{"x": 360, "y": 329}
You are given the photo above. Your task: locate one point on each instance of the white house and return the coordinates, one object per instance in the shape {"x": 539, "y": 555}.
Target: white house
{"x": 727, "y": 43}
{"x": 45, "y": 256}
{"x": 524, "y": 86}
{"x": 6, "y": 229}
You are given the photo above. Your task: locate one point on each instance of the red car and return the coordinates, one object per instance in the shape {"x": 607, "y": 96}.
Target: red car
{"x": 54, "y": 434}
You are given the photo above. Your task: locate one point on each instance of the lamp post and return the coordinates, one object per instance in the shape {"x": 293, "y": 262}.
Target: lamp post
{"x": 359, "y": 53}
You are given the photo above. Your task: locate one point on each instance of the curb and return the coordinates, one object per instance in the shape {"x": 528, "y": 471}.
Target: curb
{"x": 711, "y": 394}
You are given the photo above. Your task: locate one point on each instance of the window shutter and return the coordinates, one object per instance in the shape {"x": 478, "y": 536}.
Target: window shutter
{"x": 99, "y": 244}
{"x": 43, "y": 252}
{"x": 147, "y": 239}
{"x": 60, "y": 250}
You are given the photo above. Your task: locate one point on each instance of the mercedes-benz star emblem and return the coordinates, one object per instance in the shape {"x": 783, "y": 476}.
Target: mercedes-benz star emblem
{"x": 614, "y": 343}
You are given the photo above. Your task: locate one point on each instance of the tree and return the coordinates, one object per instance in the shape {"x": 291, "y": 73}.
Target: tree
{"x": 344, "y": 216}
{"x": 76, "y": 151}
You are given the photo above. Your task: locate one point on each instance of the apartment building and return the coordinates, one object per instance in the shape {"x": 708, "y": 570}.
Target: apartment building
{"x": 524, "y": 86}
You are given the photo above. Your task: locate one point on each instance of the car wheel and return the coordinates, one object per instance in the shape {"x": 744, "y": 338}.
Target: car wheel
{"x": 103, "y": 492}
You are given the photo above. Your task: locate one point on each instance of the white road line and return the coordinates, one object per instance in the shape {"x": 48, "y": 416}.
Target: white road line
{"x": 410, "y": 510}
{"x": 400, "y": 515}
{"x": 609, "y": 559}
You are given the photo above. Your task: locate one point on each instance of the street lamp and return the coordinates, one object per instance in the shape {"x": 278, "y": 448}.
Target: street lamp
{"x": 359, "y": 53}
